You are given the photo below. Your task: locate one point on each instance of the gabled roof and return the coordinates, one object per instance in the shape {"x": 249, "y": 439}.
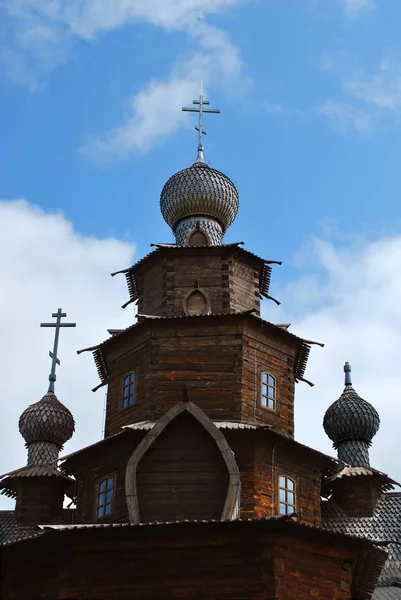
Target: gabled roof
{"x": 384, "y": 525}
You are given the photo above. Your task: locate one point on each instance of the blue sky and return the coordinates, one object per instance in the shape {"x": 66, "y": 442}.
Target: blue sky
{"x": 309, "y": 129}
{"x": 91, "y": 128}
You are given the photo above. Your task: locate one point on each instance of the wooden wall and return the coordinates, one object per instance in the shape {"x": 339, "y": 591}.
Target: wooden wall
{"x": 184, "y": 455}
{"x": 229, "y": 279}
{"x": 39, "y": 499}
{"x": 244, "y": 285}
{"x": 262, "y": 457}
{"x": 219, "y": 359}
{"x": 103, "y": 461}
{"x": 204, "y": 356}
{"x": 357, "y": 496}
{"x": 228, "y": 562}
{"x": 183, "y": 475}
{"x": 263, "y": 350}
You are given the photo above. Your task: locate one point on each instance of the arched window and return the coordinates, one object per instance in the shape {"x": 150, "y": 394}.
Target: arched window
{"x": 268, "y": 390}
{"x": 129, "y": 390}
{"x": 286, "y": 495}
{"x": 198, "y": 238}
{"x": 196, "y": 303}
{"x": 105, "y": 497}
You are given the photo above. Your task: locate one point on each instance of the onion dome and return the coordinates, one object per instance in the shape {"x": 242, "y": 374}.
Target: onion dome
{"x": 202, "y": 198}
{"x": 47, "y": 421}
{"x": 351, "y": 422}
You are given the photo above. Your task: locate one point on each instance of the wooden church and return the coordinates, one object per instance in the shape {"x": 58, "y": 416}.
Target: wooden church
{"x": 199, "y": 489}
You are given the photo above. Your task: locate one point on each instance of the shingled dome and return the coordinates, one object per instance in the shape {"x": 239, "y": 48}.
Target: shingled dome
{"x": 199, "y": 190}
{"x": 47, "y": 421}
{"x": 350, "y": 417}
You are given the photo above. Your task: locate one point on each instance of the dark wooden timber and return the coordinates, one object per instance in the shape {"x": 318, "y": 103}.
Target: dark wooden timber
{"x": 207, "y": 466}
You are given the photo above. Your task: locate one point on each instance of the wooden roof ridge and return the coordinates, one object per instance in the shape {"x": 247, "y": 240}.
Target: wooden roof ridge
{"x": 285, "y": 521}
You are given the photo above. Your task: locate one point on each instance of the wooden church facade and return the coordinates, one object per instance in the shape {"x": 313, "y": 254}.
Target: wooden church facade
{"x": 198, "y": 489}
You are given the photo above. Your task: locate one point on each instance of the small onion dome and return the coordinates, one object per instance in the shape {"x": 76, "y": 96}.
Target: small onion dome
{"x": 47, "y": 421}
{"x": 199, "y": 190}
{"x": 350, "y": 417}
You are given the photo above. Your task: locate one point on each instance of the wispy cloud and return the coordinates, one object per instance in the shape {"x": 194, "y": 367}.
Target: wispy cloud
{"x": 368, "y": 101}
{"x": 343, "y": 117}
{"x": 153, "y": 114}
{"x": 39, "y": 35}
{"x": 43, "y": 258}
{"x": 354, "y": 8}
{"x": 348, "y": 297}
{"x": 380, "y": 88}
{"x": 155, "y": 111}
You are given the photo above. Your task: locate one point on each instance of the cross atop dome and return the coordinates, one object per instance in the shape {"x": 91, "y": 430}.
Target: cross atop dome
{"x": 201, "y": 103}
{"x": 199, "y": 203}
{"x": 53, "y": 355}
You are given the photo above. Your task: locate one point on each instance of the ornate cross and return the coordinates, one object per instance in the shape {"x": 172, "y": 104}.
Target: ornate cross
{"x": 200, "y": 103}
{"x": 53, "y": 355}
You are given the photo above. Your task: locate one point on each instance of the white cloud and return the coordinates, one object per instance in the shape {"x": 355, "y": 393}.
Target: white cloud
{"x": 343, "y": 116}
{"x": 40, "y": 35}
{"x": 349, "y": 298}
{"x": 380, "y": 88}
{"x": 155, "y": 111}
{"x": 45, "y": 264}
{"x": 354, "y": 8}
{"x": 370, "y": 100}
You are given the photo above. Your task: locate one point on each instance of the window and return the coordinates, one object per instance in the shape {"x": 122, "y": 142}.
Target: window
{"x": 129, "y": 390}
{"x": 286, "y": 495}
{"x": 104, "y": 497}
{"x": 268, "y": 390}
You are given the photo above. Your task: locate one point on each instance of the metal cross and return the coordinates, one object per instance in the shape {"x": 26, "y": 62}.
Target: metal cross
{"x": 200, "y": 103}
{"x": 53, "y": 355}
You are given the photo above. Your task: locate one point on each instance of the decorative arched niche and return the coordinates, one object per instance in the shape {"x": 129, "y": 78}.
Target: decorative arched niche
{"x": 198, "y": 238}
{"x": 196, "y": 302}
{"x": 183, "y": 469}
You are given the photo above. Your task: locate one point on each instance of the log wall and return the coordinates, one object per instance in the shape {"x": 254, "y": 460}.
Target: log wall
{"x": 183, "y": 475}
{"x": 220, "y": 361}
{"x": 229, "y": 279}
{"x": 204, "y": 563}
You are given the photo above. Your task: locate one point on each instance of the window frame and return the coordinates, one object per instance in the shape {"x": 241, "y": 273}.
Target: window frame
{"x": 123, "y": 386}
{"x": 269, "y": 374}
{"x": 288, "y": 477}
{"x": 98, "y": 492}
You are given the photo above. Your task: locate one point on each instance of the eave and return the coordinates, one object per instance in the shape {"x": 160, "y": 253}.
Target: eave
{"x": 278, "y": 330}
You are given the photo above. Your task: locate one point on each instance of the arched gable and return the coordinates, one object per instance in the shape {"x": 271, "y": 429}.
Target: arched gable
{"x": 165, "y": 475}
